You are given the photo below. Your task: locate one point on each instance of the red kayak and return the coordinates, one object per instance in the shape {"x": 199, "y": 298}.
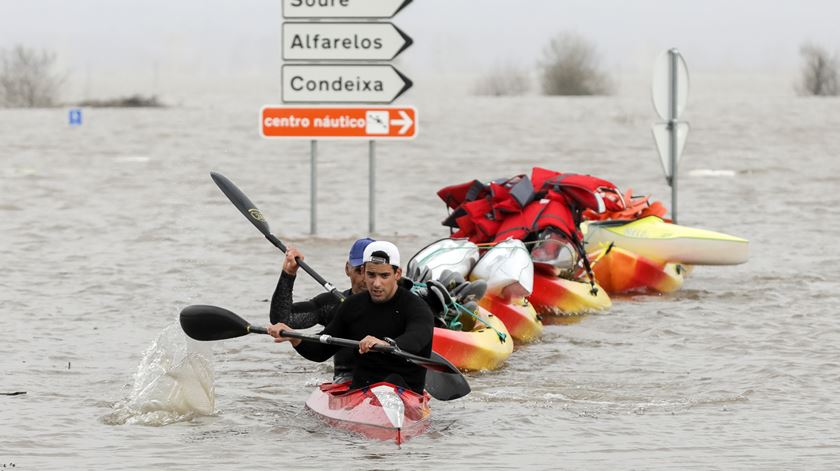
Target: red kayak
{"x": 381, "y": 411}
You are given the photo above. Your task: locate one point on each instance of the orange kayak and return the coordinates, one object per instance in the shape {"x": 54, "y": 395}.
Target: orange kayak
{"x": 622, "y": 271}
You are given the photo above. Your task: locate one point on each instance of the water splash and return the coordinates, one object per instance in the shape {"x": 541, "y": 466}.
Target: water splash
{"x": 173, "y": 383}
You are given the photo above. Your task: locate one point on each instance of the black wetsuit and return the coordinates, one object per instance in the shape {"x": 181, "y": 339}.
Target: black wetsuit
{"x": 301, "y": 315}
{"x": 405, "y": 318}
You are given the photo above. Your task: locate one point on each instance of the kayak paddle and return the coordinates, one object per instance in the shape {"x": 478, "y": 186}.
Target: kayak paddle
{"x": 203, "y": 322}
{"x": 250, "y": 211}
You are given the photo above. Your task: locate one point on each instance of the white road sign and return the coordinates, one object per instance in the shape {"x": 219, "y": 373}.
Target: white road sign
{"x": 662, "y": 136}
{"x": 328, "y": 83}
{"x": 343, "y": 41}
{"x": 663, "y": 73}
{"x": 342, "y": 8}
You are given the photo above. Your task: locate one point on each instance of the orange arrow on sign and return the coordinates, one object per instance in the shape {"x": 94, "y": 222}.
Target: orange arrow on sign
{"x": 359, "y": 123}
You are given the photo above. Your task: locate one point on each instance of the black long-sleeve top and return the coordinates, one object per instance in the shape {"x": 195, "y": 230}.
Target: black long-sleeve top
{"x": 405, "y": 318}
{"x": 304, "y": 314}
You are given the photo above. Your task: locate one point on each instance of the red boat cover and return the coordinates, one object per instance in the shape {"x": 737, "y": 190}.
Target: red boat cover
{"x": 636, "y": 208}
{"x": 518, "y": 207}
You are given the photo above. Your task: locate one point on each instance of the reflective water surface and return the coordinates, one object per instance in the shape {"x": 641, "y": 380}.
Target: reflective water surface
{"x": 110, "y": 229}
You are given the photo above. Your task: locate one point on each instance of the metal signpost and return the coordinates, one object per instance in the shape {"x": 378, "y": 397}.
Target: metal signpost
{"x": 670, "y": 93}
{"x": 343, "y": 62}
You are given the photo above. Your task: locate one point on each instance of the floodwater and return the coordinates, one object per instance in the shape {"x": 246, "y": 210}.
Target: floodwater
{"x": 110, "y": 229}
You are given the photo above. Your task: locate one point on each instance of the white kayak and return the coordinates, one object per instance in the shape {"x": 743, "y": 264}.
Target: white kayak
{"x": 457, "y": 255}
{"x": 508, "y": 269}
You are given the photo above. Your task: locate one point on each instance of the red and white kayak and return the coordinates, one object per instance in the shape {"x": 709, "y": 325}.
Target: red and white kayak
{"x": 558, "y": 296}
{"x": 518, "y": 315}
{"x": 381, "y": 411}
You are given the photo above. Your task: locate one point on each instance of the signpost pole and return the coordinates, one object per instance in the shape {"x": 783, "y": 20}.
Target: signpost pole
{"x": 669, "y": 93}
{"x": 313, "y": 187}
{"x": 672, "y": 128}
{"x": 371, "y": 186}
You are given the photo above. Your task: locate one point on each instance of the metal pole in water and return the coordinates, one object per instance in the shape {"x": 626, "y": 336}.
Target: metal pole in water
{"x": 371, "y": 186}
{"x": 313, "y": 187}
{"x": 672, "y": 128}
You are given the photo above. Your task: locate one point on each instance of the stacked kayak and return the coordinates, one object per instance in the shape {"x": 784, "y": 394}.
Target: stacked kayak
{"x": 621, "y": 271}
{"x": 655, "y": 239}
{"x": 558, "y": 296}
{"x": 509, "y": 273}
{"x": 482, "y": 343}
{"x": 649, "y": 254}
{"x": 474, "y": 338}
{"x": 482, "y": 338}
{"x": 381, "y": 411}
{"x": 517, "y": 314}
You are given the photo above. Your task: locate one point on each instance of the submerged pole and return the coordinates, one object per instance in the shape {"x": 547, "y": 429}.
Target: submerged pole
{"x": 371, "y": 187}
{"x": 313, "y": 187}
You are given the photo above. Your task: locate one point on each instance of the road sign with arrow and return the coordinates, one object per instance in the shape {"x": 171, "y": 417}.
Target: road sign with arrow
{"x": 339, "y": 123}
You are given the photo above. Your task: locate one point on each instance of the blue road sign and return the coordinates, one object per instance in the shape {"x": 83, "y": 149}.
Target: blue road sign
{"x": 75, "y": 117}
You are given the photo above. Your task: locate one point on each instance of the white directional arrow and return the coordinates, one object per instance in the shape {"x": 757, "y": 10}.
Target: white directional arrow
{"x": 328, "y": 83}
{"x": 405, "y": 121}
{"x": 343, "y": 41}
{"x": 342, "y": 8}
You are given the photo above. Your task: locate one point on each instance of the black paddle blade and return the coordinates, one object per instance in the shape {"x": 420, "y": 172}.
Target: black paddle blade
{"x": 202, "y": 322}
{"x": 242, "y": 203}
{"x": 446, "y": 386}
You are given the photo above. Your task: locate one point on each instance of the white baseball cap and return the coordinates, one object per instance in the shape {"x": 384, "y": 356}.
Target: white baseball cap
{"x": 389, "y": 250}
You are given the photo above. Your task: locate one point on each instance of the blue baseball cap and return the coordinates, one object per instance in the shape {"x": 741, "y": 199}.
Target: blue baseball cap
{"x": 357, "y": 252}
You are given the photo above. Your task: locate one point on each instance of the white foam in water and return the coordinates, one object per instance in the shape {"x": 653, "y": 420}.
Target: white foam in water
{"x": 173, "y": 383}
{"x": 131, "y": 158}
{"x": 706, "y": 172}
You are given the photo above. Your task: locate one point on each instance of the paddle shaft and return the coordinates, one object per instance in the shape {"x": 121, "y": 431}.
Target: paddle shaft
{"x": 330, "y": 340}
{"x": 428, "y": 363}
{"x": 326, "y": 284}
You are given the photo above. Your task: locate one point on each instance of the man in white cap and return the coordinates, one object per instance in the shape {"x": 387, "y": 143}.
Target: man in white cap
{"x": 386, "y": 314}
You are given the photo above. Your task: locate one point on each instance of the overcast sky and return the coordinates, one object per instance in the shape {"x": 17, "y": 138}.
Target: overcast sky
{"x": 148, "y": 43}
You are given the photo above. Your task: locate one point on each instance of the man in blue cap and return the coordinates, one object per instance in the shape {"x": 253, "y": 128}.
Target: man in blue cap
{"x": 322, "y": 308}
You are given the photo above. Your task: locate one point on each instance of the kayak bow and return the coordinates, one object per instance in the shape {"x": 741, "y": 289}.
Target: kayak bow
{"x": 380, "y": 411}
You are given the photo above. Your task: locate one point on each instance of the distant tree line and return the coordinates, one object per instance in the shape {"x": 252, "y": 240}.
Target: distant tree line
{"x": 29, "y": 79}
{"x": 570, "y": 65}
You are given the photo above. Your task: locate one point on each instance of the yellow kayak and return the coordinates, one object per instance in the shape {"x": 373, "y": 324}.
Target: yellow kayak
{"x": 655, "y": 239}
{"x": 558, "y": 296}
{"x": 479, "y": 346}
